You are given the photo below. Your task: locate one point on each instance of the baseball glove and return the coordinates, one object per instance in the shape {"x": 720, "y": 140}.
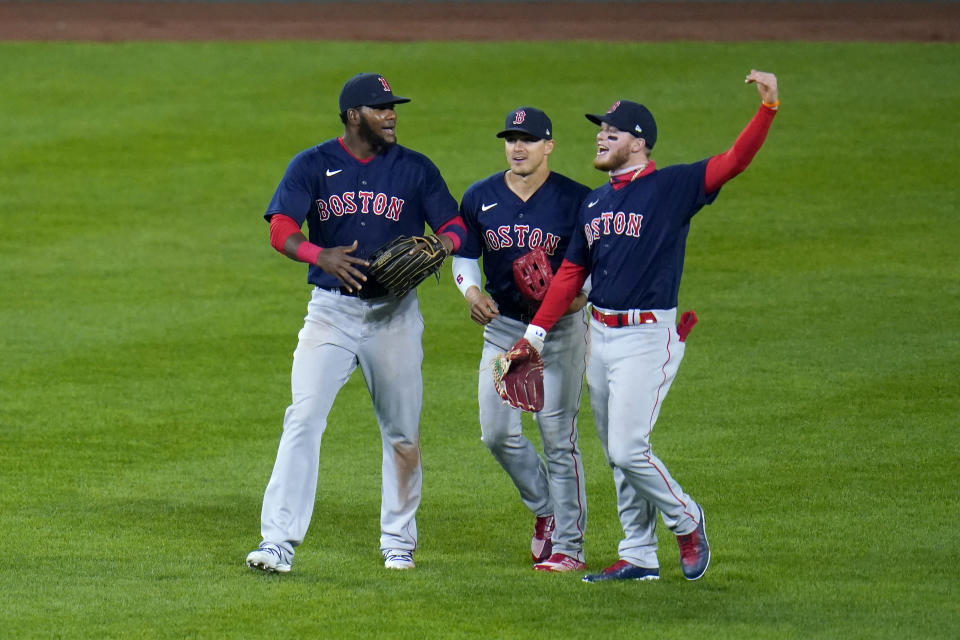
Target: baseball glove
{"x": 532, "y": 274}
{"x": 398, "y": 270}
{"x": 518, "y": 377}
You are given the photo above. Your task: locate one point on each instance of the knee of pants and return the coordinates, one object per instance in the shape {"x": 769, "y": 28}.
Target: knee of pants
{"x": 305, "y": 419}
{"x": 626, "y": 455}
{"x": 498, "y": 424}
{"x": 495, "y": 440}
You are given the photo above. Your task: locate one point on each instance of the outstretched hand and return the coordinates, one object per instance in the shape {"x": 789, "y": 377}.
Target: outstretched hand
{"x": 338, "y": 262}
{"x": 766, "y": 85}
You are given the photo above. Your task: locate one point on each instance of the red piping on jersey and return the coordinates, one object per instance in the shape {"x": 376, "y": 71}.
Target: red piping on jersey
{"x": 455, "y": 229}
{"x": 563, "y": 289}
{"x": 360, "y": 160}
{"x": 723, "y": 167}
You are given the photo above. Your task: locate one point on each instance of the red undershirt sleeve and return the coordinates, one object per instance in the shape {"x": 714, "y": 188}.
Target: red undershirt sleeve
{"x": 281, "y": 228}
{"x": 563, "y": 289}
{"x": 723, "y": 167}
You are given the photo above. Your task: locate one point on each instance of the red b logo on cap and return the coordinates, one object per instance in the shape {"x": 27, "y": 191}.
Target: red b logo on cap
{"x": 383, "y": 81}
{"x": 613, "y": 107}
{"x": 520, "y": 117}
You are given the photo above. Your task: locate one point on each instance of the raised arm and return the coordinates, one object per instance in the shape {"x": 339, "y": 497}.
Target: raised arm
{"x": 723, "y": 167}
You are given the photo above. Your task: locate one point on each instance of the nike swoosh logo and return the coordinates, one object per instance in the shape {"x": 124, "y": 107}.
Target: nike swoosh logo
{"x": 487, "y": 207}
{"x": 334, "y": 172}
{"x": 590, "y": 205}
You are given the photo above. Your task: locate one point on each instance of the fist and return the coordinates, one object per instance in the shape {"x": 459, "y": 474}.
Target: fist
{"x": 766, "y": 85}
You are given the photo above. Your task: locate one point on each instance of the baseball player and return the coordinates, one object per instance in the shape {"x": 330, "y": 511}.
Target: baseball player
{"x": 355, "y": 192}
{"x": 631, "y": 240}
{"x": 508, "y": 215}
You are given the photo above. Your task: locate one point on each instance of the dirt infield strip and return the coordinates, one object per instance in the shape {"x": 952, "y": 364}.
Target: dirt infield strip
{"x": 638, "y": 21}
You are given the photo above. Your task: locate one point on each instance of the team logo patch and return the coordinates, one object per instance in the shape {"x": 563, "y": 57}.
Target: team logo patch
{"x": 383, "y": 81}
{"x": 613, "y": 107}
{"x": 520, "y": 117}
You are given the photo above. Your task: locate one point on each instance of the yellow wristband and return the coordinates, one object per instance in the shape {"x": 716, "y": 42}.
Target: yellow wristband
{"x": 771, "y": 105}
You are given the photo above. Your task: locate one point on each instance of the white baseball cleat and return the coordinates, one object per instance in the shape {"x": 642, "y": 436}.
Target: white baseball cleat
{"x": 270, "y": 558}
{"x": 398, "y": 559}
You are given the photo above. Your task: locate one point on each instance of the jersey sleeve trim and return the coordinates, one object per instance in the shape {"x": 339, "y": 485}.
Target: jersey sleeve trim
{"x": 456, "y": 230}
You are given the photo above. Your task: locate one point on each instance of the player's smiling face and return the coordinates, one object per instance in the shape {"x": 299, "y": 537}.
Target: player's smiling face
{"x": 378, "y": 126}
{"x": 613, "y": 148}
{"x": 525, "y": 153}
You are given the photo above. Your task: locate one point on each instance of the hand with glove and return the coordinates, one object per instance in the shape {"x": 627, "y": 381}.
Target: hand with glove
{"x": 406, "y": 261}
{"x": 518, "y": 376}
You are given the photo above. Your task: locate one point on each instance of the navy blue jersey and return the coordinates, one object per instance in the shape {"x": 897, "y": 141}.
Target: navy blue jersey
{"x": 501, "y": 227}
{"x": 343, "y": 199}
{"x": 633, "y": 239}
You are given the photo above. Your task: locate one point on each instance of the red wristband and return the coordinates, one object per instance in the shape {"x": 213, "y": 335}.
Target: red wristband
{"x": 308, "y": 252}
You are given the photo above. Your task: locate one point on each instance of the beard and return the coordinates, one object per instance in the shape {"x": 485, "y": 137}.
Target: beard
{"x": 613, "y": 160}
{"x": 378, "y": 144}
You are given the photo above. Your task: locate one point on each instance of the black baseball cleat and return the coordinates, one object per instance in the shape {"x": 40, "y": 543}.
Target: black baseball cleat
{"x": 695, "y": 550}
{"x": 623, "y": 570}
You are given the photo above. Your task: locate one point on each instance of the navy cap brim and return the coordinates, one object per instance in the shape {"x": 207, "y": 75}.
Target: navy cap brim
{"x": 605, "y": 118}
{"x": 393, "y": 100}
{"x": 505, "y": 132}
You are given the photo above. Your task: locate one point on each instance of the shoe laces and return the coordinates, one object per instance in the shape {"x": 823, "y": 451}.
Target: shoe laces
{"x": 689, "y": 545}
{"x": 405, "y": 556}
{"x": 273, "y": 549}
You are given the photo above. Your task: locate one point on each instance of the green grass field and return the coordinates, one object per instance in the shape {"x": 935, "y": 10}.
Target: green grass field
{"x": 146, "y": 332}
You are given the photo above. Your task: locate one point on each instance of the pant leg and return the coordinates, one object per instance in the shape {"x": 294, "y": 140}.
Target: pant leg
{"x": 322, "y": 364}
{"x": 638, "y": 517}
{"x": 638, "y": 366}
{"x": 564, "y": 354}
{"x": 641, "y": 373}
{"x": 501, "y": 426}
{"x": 391, "y": 358}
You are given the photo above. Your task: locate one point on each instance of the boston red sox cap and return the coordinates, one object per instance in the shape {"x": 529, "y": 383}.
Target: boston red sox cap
{"x": 529, "y": 120}
{"x": 631, "y": 117}
{"x": 367, "y": 90}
